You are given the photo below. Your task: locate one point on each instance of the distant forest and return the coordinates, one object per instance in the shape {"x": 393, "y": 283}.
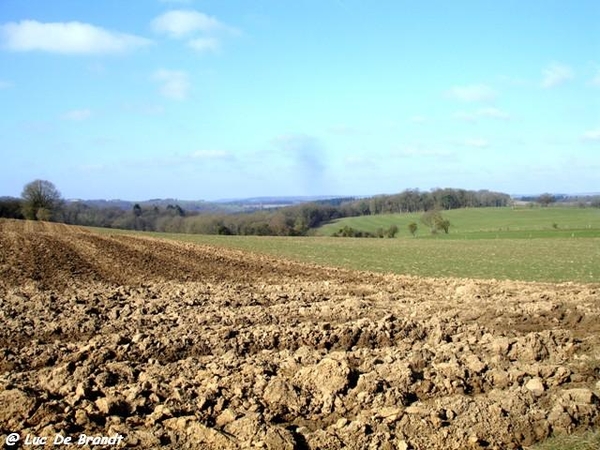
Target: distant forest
{"x": 294, "y": 220}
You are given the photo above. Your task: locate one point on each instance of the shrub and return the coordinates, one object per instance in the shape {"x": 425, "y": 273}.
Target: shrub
{"x": 412, "y": 228}
{"x": 435, "y": 221}
{"x": 391, "y": 232}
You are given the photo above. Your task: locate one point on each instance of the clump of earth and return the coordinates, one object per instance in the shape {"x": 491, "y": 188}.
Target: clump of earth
{"x": 177, "y": 345}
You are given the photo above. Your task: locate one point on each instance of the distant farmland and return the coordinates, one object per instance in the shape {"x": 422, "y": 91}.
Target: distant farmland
{"x": 483, "y": 244}
{"x": 477, "y": 223}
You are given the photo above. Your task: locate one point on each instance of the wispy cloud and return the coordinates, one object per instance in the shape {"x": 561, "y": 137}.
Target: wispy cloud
{"x": 596, "y": 80}
{"x": 203, "y": 32}
{"x": 5, "y": 84}
{"x": 472, "y": 93}
{"x": 206, "y": 44}
{"x": 306, "y": 152}
{"x": 487, "y": 113}
{"x": 175, "y": 84}
{"x": 556, "y": 74}
{"x": 70, "y": 38}
{"x": 77, "y": 115}
{"x": 182, "y": 23}
{"x": 592, "y": 135}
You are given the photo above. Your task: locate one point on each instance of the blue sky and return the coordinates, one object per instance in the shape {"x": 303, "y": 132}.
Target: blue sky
{"x": 197, "y": 99}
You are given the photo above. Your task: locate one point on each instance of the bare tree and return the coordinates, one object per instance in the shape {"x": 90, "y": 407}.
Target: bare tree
{"x": 546, "y": 199}
{"x": 41, "y": 200}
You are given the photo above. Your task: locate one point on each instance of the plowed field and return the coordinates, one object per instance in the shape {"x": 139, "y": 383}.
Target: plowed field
{"x": 178, "y": 346}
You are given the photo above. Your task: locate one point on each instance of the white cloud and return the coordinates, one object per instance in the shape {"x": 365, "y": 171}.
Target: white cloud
{"x": 77, "y": 114}
{"x": 592, "y": 135}
{"x": 5, "y": 84}
{"x": 71, "y": 38}
{"x": 488, "y": 113}
{"x": 175, "y": 83}
{"x": 181, "y": 23}
{"x": 596, "y": 80}
{"x": 205, "y": 44}
{"x": 472, "y": 93}
{"x": 556, "y": 74}
{"x": 204, "y": 32}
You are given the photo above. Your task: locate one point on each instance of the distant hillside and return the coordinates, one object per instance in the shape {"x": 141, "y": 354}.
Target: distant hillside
{"x": 127, "y": 205}
{"x": 256, "y": 203}
{"x": 592, "y": 198}
{"x": 217, "y": 206}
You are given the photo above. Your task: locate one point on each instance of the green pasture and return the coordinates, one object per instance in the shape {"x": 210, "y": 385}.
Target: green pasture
{"x": 588, "y": 440}
{"x": 555, "y": 260}
{"x": 486, "y": 223}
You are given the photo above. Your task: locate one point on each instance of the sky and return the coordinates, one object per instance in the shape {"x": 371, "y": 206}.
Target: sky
{"x": 200, "y": 99}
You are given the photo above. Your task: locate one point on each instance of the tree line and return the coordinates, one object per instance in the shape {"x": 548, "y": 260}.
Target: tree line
{"x": 41, "y": 200}
{"x": 298, "y": 220}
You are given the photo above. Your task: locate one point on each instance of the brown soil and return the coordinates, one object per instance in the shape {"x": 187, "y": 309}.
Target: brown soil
{"x": 179, "y": 345}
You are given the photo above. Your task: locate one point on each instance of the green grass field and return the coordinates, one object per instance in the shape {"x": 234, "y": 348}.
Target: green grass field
{"x": 483, "y": 254}
{"x": 487, "y": 223}
{"x": 589, "y": 440}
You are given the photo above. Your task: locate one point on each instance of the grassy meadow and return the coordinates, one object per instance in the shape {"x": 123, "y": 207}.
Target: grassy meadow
{"x": 488, "y": 223}
{"x": 589, "y": 440}
{"x": 482, "y": 243}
